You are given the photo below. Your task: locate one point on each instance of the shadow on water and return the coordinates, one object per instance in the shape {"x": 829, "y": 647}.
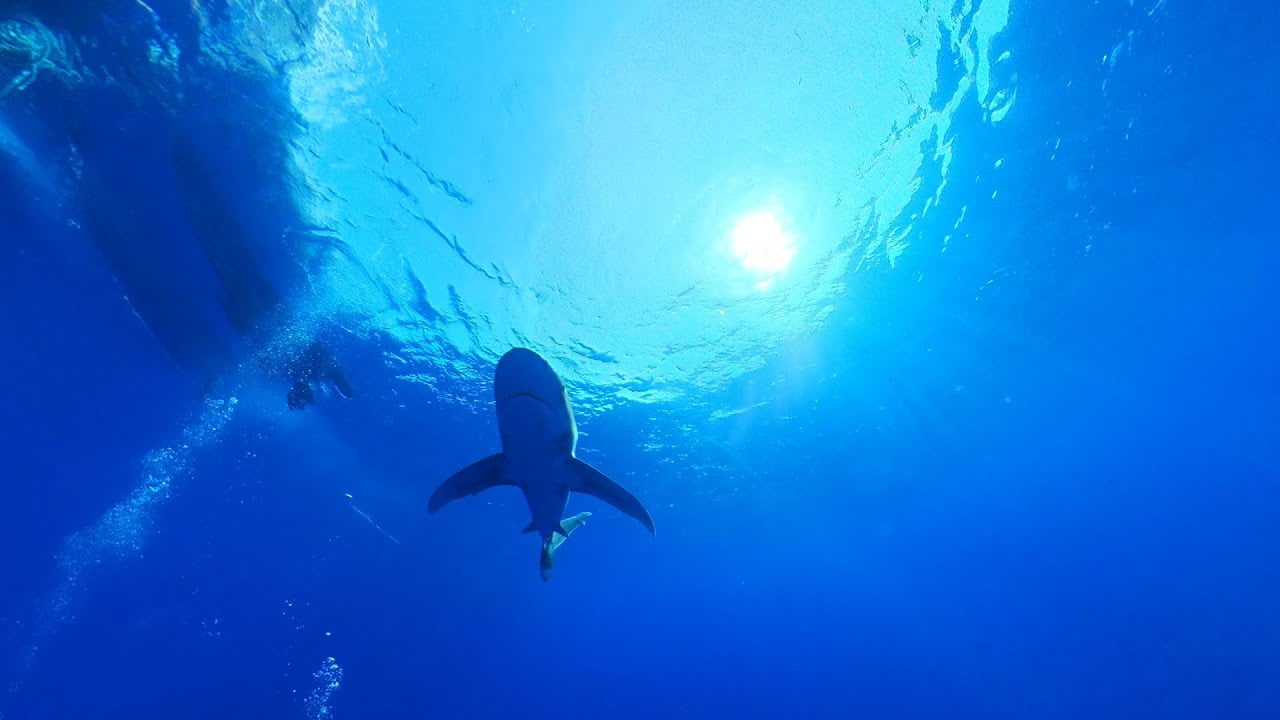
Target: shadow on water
{"x": 191, "y": 209}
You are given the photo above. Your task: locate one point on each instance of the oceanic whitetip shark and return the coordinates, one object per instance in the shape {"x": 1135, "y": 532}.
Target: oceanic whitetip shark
{"x": 539, "y": 438}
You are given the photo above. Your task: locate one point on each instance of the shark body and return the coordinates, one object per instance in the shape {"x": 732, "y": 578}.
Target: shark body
{"x": 539, "y": 438}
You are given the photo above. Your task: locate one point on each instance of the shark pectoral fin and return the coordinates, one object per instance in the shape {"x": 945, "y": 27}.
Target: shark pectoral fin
{"x": 479, "y": 475}
{"x": 527, "y": 528}
{"x": 593, "y": 482}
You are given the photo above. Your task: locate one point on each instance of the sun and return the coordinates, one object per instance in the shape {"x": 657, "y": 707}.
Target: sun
{"x": 761, "y": 244}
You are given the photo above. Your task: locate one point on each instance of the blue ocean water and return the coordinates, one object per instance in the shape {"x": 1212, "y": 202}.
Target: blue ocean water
{"x": 939, "y": 340}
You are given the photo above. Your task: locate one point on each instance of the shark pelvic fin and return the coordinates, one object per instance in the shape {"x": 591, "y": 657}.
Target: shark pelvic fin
{"x": 479, "y": 475}
{"x": 593, "y": 482}
{"x": 573, "y": 522}
{"x": 563, "y": 533}
{"x": 567, "y": 526}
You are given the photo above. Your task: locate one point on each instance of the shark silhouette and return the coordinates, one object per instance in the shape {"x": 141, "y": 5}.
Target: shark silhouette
{"x": 539, "y": 438}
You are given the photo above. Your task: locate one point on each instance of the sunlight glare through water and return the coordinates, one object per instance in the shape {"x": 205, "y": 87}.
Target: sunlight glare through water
{"x": 626, "y": 218}
{"x": 763, "y": 246}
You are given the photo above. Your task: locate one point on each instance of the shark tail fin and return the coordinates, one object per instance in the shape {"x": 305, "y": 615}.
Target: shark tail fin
{"x": 545, "y": 559}
{"x": 593, "y": 482}
{"x": 476, "y": 477}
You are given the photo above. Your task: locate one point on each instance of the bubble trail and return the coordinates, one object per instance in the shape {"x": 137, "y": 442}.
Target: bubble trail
{"x": 122, "y": 531}
{"x": 330, "y": 677}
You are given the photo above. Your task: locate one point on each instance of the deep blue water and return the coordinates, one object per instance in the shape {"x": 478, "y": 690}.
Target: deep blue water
{"x": 938, "y": 338}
